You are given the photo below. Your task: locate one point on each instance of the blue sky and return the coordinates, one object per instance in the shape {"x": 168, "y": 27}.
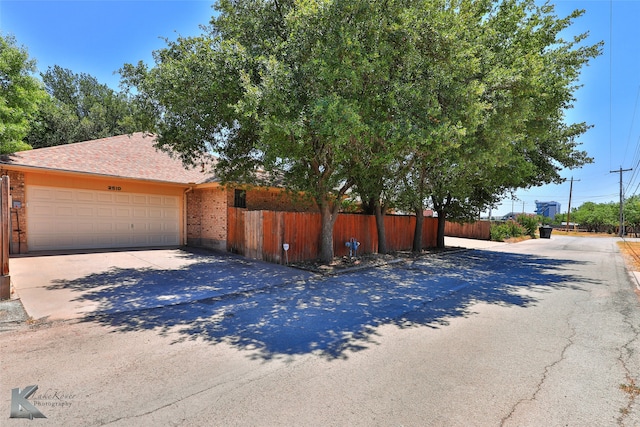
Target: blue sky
{"x": 98, "y": 37}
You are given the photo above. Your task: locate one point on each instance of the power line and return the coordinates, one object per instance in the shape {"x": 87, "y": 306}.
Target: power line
{"x": 610, "y": 81}
{"x": 633, "y": 119}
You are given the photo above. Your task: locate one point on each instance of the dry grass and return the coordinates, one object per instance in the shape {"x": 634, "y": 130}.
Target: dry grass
{"x": 632, "y": 389}
{"x": 517, "y": 239}
{"x": 580, "y": 233}
{"x": 631, "y": 252}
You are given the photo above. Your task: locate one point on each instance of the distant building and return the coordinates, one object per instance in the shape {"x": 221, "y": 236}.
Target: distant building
{"x": 547, "y": 209}
{"x": 510, "y": 216}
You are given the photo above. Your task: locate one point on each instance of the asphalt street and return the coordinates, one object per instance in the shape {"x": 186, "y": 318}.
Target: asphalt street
{"x": 543, "y": 332}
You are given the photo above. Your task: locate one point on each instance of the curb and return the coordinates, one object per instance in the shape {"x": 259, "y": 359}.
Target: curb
{"x": 12, "y": 314}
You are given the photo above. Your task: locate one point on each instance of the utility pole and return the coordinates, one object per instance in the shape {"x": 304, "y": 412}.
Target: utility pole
{"x": 621, "y": 199}
{"x": 569, "y": 209}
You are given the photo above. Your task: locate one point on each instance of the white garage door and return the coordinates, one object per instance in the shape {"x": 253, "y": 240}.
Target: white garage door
{"x": 61, "y": 218}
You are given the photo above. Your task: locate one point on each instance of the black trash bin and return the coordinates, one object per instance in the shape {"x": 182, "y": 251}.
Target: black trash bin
{"x": 545, "y": 232}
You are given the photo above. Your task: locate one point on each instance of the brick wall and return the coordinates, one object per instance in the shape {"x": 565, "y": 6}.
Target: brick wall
{"x": 18, "y": 243}
{"x": 207, "y": 212}
{"x": 207, "y": 218}
{"x": 270, "y": 199}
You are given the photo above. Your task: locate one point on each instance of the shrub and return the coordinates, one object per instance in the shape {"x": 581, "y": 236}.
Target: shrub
{"x": 502, "y": 232}
{"x": 530, "y": 224}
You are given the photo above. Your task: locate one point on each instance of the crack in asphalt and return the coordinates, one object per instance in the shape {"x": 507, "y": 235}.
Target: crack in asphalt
{"x": 545, "y": 374}
{"x": 189, "y": 396}
{"x": 631, "y": 382}
{"x": 626, "y": 351}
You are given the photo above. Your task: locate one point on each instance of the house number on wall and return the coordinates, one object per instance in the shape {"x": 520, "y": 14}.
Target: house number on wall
{"x": 114, "y": 188}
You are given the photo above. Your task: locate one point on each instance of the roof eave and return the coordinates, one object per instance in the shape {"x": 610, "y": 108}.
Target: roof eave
{"x": 12, "y": 166}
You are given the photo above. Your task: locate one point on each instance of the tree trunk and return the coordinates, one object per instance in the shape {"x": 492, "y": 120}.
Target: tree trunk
{"x": 382, "y": 238}
{"x": 417, "y": 234}
{"x": 328, "y": 218}
{"x": 442, "y": 220}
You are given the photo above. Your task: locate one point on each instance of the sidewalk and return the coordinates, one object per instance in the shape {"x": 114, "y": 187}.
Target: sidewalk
{"x": 471, "y": 243}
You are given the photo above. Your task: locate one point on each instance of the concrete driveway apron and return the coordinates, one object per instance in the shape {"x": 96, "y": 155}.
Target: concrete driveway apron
{"x": 63, "y": 287}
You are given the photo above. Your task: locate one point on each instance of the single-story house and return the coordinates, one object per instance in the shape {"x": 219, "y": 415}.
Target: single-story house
{"x": 121, "y": 192}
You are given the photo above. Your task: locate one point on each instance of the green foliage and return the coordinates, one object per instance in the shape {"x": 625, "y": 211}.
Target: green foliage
{"x": 406, "y": 102}
{"x": 529, "y": 223}
{"x": 500, "y": 98}
{"x": 503, "y": 231}
{"x": 20, "y": 94}
{"x": 632, "y": 214}
{"x": 79, "y": 108}
{"x": 598, "y": 217}
{"x": 558, "y": 219}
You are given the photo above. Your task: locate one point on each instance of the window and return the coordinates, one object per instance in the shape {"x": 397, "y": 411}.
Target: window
{"x": 240, "y": 199}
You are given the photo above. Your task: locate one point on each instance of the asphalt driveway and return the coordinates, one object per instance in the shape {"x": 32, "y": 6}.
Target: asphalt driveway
{"x": 271, "y": 309}
{"x": 539, "y": 333}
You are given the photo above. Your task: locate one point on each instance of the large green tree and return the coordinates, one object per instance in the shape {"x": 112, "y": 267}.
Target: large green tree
{"x": 20, "y": 93}
{"x": 461, "y": 101}
{"x": 501, "y": 99}
{"x": 598, "y": 217}
{"x": 632, "y": 214}
{"x": 294, "y": 88}
{"x": 79, "y": 108}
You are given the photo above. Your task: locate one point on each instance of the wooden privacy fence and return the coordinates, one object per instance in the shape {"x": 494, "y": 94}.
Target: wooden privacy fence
{"x": 480, "y": 230}
{"x": 262, "y": 234}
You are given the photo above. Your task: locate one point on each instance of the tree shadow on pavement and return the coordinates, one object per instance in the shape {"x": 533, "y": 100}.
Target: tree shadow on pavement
{"x": 272, "y": 310}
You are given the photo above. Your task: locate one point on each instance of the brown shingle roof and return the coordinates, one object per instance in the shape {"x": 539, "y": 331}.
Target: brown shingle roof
{"x": 129, "y": 156}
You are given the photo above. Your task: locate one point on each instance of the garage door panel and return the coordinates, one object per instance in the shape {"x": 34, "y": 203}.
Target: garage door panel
{"x": 83, "y": 219}
{"x": 122, "y": 239}
{"x": 123, "y": 213}
{"x": 170, "y": 202}
{"x": 156, "y": 240}
{"x": 62, "y": 211}
{"x": 140, "y": 200}
{"x": 123, "y": 198}
{"x": 65, "y": 228}
{"x": 155, "y": 227}
{"x": 41, "y": 210}
{"x": 141, "y": 240}
{"x": 85, "y": 196}
{"x": 105, "y": 241}
{"x": 102, "y": 197}
{"x": 63, "y": 195}
{"x": 85, "y": 211}
{"x": 43, "y": 228}
{"x": 170, "y": 228}
{"x": 106, "y": 227}
{"x": 104, "y": 212}
{"x": 85, "y": 228}
{"x": 122, "y": 227}
{"x": 139, "y": 213}
{"x": 42, "y": 193}
{"x": 65, "y": 242}
{"x": 155, "y": 213}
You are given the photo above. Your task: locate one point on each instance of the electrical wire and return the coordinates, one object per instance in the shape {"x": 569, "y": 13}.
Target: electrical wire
{"x": 633, "y": 119}
{"x": 610, "y": 82}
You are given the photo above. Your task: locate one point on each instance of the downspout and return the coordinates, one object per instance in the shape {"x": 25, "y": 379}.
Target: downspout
{"x": 184, "y": 215}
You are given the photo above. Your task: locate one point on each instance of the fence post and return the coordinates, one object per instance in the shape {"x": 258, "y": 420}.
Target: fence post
{"x": 5, "y": 232}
